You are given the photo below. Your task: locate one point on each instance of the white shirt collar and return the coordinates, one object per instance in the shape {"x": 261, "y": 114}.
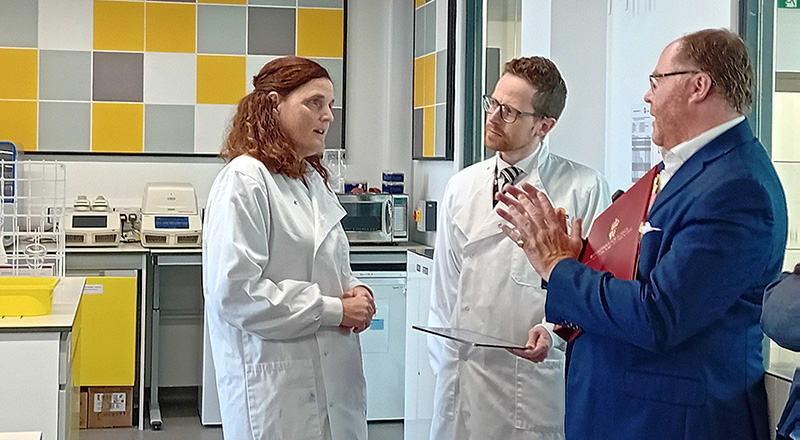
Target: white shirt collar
{"x": 679, "y": 154}
{"x": 528, "y": 165}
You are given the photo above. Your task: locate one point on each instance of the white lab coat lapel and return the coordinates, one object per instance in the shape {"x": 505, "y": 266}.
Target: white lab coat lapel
{"x": 327, "y": 210}
{"x": 479, "y": 221}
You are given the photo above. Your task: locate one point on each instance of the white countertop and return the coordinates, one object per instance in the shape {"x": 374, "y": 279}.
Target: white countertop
{"x": 66, "y": 298}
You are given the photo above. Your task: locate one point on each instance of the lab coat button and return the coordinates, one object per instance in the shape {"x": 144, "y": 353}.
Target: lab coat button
{"x": 466, "y": 308}
{"x": 324, "y": 353}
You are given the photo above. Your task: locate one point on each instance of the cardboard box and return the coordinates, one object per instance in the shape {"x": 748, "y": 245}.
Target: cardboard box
{"x": 109, "y": 407}
{"x": 83, "y": 409}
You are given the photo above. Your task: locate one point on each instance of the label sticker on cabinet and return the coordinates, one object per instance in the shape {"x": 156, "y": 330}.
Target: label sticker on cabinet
{"x": 93, "y": 289}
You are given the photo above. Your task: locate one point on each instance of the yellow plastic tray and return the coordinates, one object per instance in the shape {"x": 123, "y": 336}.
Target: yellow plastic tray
{"x": 26, "y": 296}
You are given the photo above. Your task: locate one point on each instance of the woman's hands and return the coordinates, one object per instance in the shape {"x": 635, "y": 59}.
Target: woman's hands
{"x": 358, "y": 309}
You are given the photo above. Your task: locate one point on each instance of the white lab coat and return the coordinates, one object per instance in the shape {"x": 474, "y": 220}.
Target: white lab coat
{"x": 275, "y": 263}
{"x": 483, "y": 282}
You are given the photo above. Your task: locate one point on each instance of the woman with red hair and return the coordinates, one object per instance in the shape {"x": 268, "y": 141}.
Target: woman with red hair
{"x": 282, "y": 305}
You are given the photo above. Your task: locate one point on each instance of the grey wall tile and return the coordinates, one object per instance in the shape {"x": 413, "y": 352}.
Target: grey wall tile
{"x": 19, "y": 23}
{"x": 65, "y": 75}
{"x": 221, "y": 29}
{"x": 418, "y": 133}
{"x": 439, "y": 140}
{"x": 118, "y": 76}
{"x": 273, "y": 2}
{"x": 419, "y": 32}
{"x": 271, "y": 31}
{"x": 430, "y": 27}
{"x": 334, "y": 137}
{"x": 64, "y": 126}
{"x": 441, "y": 76}
{"x": 320, "y": 3}
{"x": 335, "y": 67}
{"x": 168, "y": 128}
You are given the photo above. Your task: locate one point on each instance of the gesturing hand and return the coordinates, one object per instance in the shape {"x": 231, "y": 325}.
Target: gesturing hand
{"x": 538, "y": 228}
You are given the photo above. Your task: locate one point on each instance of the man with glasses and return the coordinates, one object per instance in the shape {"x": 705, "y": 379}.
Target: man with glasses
{"x": 676, "y": 352}
{"x": 483, "y": 283}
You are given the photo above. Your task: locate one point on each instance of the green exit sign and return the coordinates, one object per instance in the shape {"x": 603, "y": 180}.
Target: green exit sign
{"x": 788, "y": 4}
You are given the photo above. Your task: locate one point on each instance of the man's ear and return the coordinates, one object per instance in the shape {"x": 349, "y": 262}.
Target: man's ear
{"x": 546, "y": 125}
{"x": 701, "y": 87}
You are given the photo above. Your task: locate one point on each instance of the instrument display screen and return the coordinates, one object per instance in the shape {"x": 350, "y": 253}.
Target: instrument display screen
{"x": 163, "y": 222}
{"x": 89, "y": 221}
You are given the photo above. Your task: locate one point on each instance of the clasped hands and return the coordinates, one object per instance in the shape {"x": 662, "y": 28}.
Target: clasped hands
{"x": 358, "y": 308}
{"x": 539, "y": 228}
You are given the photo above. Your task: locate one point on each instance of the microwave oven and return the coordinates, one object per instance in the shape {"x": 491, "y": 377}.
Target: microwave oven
{"x": 375, "y": 217}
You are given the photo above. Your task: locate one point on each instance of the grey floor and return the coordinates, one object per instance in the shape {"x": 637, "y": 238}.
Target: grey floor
{"x": 181, "y": 422}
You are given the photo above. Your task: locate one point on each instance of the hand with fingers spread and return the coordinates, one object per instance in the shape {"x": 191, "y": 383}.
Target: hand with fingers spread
{"x": 538, "y": 228}
{"x": 538, "y": 345}
{"x": 358, "y": 308}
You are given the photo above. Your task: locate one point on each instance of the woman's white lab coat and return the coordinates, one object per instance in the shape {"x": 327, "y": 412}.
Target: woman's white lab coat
{"x": 275, "y": 263}
{"x": 483, "y": 282}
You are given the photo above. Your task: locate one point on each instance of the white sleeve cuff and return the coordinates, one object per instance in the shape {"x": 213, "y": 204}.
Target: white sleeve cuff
{"x": 332, "y": 311}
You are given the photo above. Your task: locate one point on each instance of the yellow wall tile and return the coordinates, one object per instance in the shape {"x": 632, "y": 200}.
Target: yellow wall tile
{"x": 320, "y": 32}
{"x": 170, "y": 27}
{"x": 430, "y": 80}
{"x": 119, "y": 25}
{"x": 429, "y": 131}
{"x": 425, "y": 80}
{"x": 18, "y": 123}
{"x": 220, "y": 79}
{"x": 117, "y": 128}
{"x": 224, "y": 2}
{"x": 19, "y": 73}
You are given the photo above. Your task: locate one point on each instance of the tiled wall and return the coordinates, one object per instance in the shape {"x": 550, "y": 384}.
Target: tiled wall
{"x": 149, "y": 76}
{"x": 430, "y": 79}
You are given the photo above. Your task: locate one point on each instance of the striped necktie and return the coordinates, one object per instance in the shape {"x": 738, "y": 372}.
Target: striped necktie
{"x": 509, "y": 175}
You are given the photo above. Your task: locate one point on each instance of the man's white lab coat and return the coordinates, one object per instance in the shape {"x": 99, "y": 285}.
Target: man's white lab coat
{"x": 483, "y": 282}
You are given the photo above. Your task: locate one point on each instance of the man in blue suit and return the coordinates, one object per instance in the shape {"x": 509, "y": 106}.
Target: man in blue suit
{"x": 675, "y": 353}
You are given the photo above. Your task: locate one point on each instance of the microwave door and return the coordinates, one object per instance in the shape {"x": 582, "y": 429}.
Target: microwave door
{"x": 387, "y": 224}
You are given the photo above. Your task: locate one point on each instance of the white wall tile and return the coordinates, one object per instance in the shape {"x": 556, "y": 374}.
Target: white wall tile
{"x": 66, "y": 24}
{"x": 170, "y": 78}
{"x": 253, "y": 65}
{"x": 211, "y": 124}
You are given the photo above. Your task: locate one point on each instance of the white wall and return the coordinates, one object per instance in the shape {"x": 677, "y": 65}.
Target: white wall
{"x": 380, "y": 62}
{"x": 787, "y": 49}
{"x": 578, "y": 47}
{"x": 638, "y": 30}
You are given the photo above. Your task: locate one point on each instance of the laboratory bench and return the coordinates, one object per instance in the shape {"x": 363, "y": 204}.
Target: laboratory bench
{"x": 37, "y": 374}
{"x": 168, "y": 310}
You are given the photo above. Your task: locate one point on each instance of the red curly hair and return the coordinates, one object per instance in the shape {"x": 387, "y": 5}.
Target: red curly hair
{"x": 255, "y": 130}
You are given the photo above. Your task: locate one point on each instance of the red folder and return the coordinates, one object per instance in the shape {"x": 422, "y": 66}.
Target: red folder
{"x": 613, "y": 242}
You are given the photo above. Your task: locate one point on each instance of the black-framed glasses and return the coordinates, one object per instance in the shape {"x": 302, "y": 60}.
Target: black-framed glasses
{"x": 656, "y": 76}
{"x": 507, "y": 113}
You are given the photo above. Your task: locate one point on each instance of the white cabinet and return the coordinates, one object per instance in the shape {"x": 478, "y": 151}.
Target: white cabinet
{"x": 419, "y": 380}
{"x": 382, "y": 345}
{"x": 37, "y": 387}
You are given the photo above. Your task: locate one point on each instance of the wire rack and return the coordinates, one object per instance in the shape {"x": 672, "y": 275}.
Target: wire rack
{"x": 31, "y": 218}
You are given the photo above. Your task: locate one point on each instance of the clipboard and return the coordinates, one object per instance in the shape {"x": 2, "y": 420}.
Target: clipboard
{"x": 468, "y": 337}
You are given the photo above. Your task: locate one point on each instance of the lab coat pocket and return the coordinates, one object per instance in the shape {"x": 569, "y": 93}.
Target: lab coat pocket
{"x": 447, "y": 385}
{"x": 539, "y": 399}
{"x": 522, "y": 272}
{"x": 282, "y": 400}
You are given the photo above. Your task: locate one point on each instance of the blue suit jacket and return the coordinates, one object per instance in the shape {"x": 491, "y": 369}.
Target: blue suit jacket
{"x": 676, "y": 353}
